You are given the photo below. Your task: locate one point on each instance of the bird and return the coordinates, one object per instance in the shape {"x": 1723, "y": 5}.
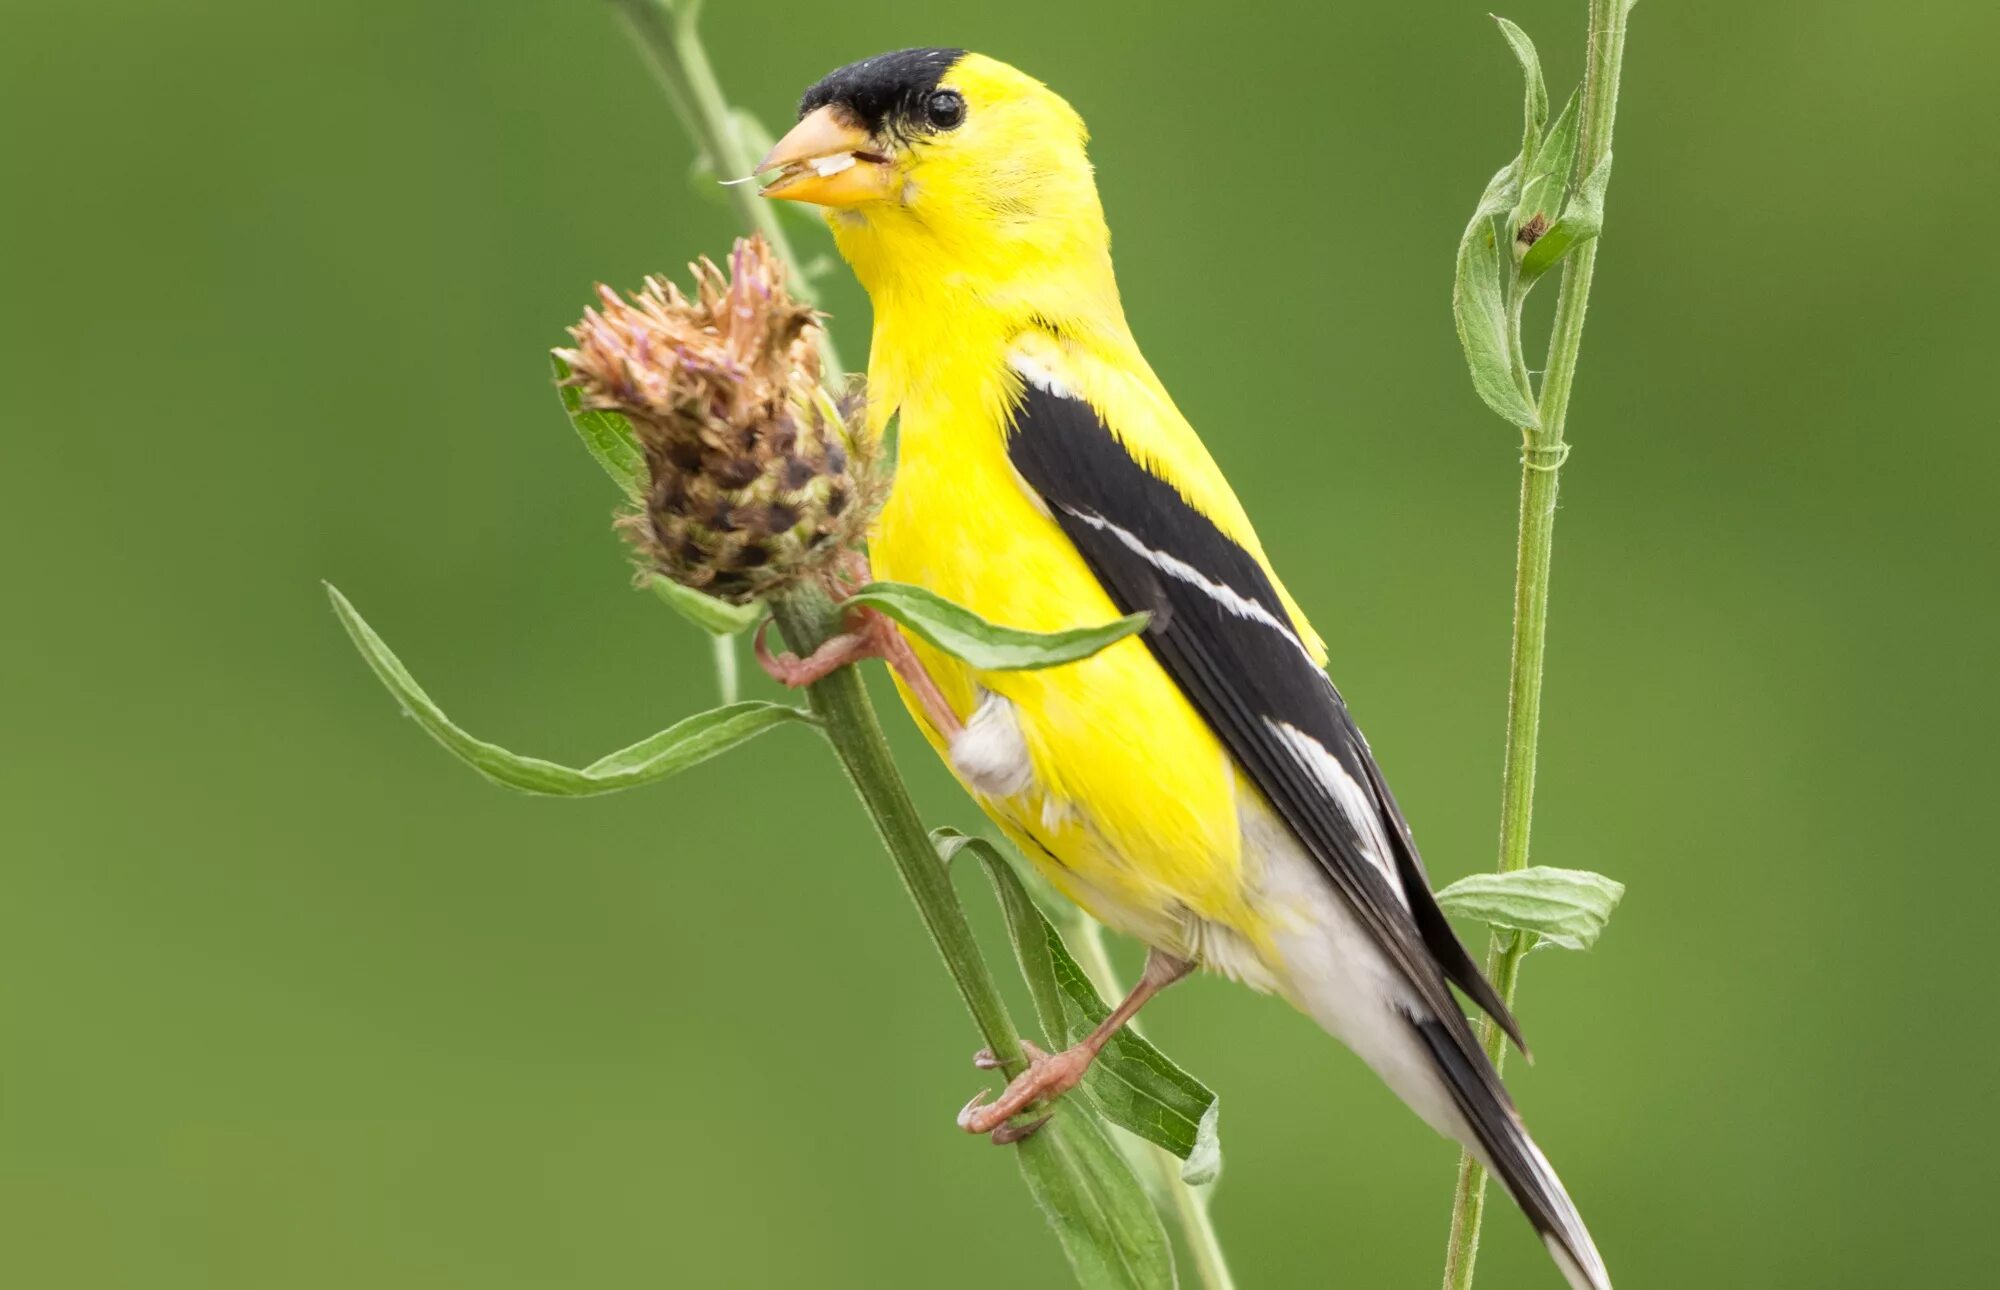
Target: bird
{"x": 1200, "y": 786}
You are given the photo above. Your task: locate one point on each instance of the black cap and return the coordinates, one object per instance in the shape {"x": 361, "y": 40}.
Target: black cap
{"x": 883, "y": 88}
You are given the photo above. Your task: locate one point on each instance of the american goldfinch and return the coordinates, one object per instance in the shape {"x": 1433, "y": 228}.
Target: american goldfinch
{"x": 1200, "y": 787}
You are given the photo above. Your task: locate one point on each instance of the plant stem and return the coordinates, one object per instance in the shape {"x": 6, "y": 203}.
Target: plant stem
{"x": 1542, "y": 456}
{"x": 1085, "y": 937}
{"x": 808, "y": 617}
{"x": 668, "y": 34}
{"x": 725, "y": 665}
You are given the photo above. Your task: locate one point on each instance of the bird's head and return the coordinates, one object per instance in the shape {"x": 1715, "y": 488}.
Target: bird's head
{"x": 944, "y": 163}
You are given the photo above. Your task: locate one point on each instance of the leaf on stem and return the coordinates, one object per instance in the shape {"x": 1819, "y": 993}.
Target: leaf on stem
{"x": 684, "y": 744}
{"x": 1132, "y": 1083}
{"x": 1582, "y": 218}
{"x": 1108, "y": 1228}
{"x": 1479, "y": 300}
{"x": 716, "y": 617}
{"x": 1547, "y": 180}
{"x": 607, "y": 435}
{"x": 1535, "y": 104}
{"x": 966, "y": 636}
{"x": 1564, "y": 907}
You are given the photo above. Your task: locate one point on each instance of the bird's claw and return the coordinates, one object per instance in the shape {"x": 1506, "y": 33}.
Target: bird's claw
{"x": 1049, "y": 1076}
{"x": 1007, "y": 1134}
{"x": 1004, "y": 1134}
{"x": 868, "y": 634}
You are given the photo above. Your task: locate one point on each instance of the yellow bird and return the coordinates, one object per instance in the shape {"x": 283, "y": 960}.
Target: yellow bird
{"x": 1200, "y": 787}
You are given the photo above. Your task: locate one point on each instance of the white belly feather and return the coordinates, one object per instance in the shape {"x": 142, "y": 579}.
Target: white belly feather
{"x": 1328, "y": 967}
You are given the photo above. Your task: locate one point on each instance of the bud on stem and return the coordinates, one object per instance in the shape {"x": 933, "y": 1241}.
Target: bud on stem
{"x": 759, "y": 480}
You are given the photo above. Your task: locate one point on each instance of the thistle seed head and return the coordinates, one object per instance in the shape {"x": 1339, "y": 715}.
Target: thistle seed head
{"x": 758, "y": 480}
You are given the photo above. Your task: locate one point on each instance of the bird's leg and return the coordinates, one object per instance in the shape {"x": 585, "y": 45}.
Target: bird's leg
{"x": 869, "y": 635}
{"x": 1050, "y": 1075}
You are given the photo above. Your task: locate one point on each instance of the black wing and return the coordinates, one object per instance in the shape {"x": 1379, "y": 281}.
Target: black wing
{"x": 1222, "y": 632}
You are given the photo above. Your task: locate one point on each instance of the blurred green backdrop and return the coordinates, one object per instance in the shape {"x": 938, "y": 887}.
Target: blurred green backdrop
{"x": 290, "y": 999}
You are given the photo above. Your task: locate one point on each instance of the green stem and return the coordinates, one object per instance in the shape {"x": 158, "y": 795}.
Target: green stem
{"x": 724, "y": 647}
{"x": 1085, "y": 937}
{"x": 668, "y": 34}
{"x": 808, "y": 617}
{"x": 1543, "y": 451}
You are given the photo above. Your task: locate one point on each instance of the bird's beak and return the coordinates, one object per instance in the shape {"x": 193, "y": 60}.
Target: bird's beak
{"x": 828, "y": 162}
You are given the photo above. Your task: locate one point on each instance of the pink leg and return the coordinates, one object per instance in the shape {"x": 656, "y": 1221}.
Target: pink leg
{"x": 897, "y": 653}
{"x": 1050, "y": 1075}
{"x": 872, "y": 636}
{"x": 792, "y": 672}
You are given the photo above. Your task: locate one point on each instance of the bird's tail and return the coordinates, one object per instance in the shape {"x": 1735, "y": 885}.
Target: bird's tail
{"x": 1499, "y": 1138}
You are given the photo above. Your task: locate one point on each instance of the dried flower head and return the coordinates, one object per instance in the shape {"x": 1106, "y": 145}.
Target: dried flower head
{"x": 757, "y": 481}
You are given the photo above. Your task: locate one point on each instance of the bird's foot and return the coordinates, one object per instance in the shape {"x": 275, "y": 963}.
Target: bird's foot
{"x": 1049, "y": 1076}
{"x": 869, "y": 635}
{"x": 792, "y": 672}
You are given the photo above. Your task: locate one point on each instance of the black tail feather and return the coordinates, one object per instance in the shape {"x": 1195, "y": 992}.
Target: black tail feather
{"x": 1512, "y": 1155}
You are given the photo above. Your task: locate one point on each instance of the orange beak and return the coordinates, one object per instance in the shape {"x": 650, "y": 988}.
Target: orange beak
{"x": 828, "y": 162}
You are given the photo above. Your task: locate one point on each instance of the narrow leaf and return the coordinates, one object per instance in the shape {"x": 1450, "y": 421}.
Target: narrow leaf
{"x": 1582, "y": 218}
{"x": 717, "y": 617}
{"x": 965, "y": 635}
{"x": 681, "y": 745}
{"x": 1479, "y": 301}
{"x": 1133, "y": 1084}
{"x": 1535, "y": 104}
{"x": 1565, "y": 907}
{"x": 607, "y": 435}
{"x": 1547, "y": 179}
{"x": 1085, "y": 1188}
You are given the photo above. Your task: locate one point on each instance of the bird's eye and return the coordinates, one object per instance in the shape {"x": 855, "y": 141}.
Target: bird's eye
{"x": 945, "y": 109}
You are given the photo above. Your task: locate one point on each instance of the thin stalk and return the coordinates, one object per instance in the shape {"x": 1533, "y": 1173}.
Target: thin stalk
{"x": 668, "y": 34}
{"x": 1085, "y": 937}
{"x": 808, "y": 617}
{"x": 1543, "y": 451}
{"x": 724, "y": 647}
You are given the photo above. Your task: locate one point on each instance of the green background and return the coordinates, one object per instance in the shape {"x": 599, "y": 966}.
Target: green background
{"x": 290, "y": 999}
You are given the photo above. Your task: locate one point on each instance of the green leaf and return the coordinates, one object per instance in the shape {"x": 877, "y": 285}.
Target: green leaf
{"x": 1479, "y": 300}
{"x": 681, "y": 745}
{"x": 1535, "y": 104}
{"x": 717, "y": 617}
{"x": 1548, "y": 178}
{"x": 1084, "y": 1187}
{"x": 1203, "y": 1165}
{"x": 965, "y": 635}
{"x": 1565, "y": 907}
{"x": 608, "y": 436}
{"x": 1132, "y": 1084}
{"x": 1582, "y": 218}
